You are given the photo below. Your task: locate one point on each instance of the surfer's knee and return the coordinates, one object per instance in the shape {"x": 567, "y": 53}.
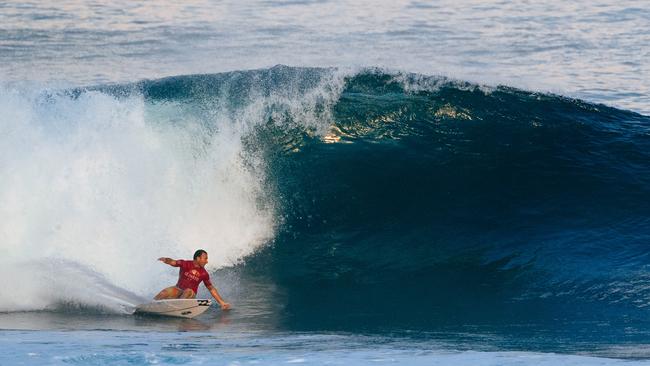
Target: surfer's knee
{"x": 188, "y": 293}
{"x": 168, "y": 293}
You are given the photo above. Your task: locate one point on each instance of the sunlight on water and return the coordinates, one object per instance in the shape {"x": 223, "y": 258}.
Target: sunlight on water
{"x": 597, "y": 50}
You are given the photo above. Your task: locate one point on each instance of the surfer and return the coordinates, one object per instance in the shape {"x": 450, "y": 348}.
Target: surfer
{"x": 190, "y": 275}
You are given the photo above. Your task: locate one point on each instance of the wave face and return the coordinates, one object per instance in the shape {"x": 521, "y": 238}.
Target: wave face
{"x": 370, "y": 198}
{"x": 432, "y": 201}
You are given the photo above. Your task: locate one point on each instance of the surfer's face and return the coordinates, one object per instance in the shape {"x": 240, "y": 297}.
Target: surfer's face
{"x": 202, "y": 260}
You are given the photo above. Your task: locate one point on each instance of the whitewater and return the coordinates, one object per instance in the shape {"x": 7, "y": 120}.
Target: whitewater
{"x": 411, "y": 183}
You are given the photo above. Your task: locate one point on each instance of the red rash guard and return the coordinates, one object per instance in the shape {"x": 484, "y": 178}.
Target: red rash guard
{"x": 190, "y": 276}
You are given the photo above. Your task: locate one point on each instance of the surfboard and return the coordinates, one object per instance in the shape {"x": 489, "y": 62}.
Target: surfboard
{"x": 183, "y": 308}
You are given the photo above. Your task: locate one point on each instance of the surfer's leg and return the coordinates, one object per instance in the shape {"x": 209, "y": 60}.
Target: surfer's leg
{"x": 171, "y": 292}
{"x": 188, "y": 293}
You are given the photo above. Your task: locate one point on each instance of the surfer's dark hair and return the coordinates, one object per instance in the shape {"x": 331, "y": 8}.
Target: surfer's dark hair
{"x": 199, "y": 253}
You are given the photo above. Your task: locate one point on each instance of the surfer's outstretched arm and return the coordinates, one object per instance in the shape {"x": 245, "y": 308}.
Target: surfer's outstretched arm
{"x": 213, "y": 290}
{"x": 169, "y": 261}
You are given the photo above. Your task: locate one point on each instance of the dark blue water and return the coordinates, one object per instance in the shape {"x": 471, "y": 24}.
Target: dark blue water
{"x": 458, "y": 205}
{"x": 419, "y": 185}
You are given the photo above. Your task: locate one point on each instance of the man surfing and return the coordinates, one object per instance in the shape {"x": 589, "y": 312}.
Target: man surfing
{"x": 190, "y": 275}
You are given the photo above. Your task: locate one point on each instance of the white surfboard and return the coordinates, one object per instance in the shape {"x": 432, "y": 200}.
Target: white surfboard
{"x": 184, "y": 308}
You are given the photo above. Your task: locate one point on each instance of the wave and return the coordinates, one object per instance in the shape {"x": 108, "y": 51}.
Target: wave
{"x": 371, "y": 197}
{"x": 429, "y": 197}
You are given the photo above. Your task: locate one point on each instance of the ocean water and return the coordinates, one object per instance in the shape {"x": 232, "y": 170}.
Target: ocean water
{"x": 398, "y": 182}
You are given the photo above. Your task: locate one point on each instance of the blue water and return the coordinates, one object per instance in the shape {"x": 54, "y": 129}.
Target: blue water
{"x": 129, "y": 348}
{"x": 410, "y": 183}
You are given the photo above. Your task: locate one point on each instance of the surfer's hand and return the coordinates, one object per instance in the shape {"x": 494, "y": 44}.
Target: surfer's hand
{"x": 225, "y": 306}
